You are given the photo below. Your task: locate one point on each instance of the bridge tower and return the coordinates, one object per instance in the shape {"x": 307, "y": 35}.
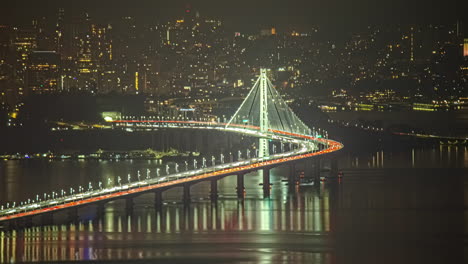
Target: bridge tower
{"x": 263, "y": 145}
{"x": 265, "y": 109}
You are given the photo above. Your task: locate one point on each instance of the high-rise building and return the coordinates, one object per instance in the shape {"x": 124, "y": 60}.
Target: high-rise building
{"x": 43, "y": 74}
{"x": 59, "y": 31}
{"x": 25, "y": 41}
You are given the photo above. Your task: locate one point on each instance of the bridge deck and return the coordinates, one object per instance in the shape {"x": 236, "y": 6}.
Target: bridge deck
{"x": 306, "y": 150}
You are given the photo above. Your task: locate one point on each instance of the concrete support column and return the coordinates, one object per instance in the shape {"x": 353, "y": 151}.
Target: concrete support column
{"x": 26, "y": 221}
{"x": 214, "y": 189}
{"x": 292, "y": 179}
{"x": 101, "y": 209}
{"x": 186, "y": 197}
{"x": 158, "y": 199}
{"x": 8, "y": 225}
{"x": 47, "y": 219}
{"x": 72, "y": 215}
{"x": 129, "y": 204}
{"x": 333, "y": 167}
{"x": 317, "y": 169}
{"x": 240, "y": 186}
{"x": 266, "y": 183}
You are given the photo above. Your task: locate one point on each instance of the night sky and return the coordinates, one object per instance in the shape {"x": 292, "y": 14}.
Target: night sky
{"x": 242, "y": 14}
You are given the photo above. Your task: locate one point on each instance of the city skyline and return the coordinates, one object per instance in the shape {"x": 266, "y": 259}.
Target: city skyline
{"x": 337, "y": 15}
{"x": 203, "y": 131}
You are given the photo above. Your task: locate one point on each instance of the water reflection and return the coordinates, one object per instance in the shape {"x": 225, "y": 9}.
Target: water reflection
{"x": 436, "y": 156}
{"x": 390, "y": 207}
{"x": 251, "y": 221}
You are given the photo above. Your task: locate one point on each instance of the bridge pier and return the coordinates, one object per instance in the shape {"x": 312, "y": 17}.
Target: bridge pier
{"x": 47, "y": 219}
{"x": 23, "y": 222}
{"x": 292, "y": 179}
{"x": 266, "y": 183}
{"x": 214, "y": 189}
{"x": 316, "y": 170}
{"x": 7, "y": 225}
{"x": 333, "y": 167}
{"x": 100, "y": 209}
{"x": 72, "y": 215}
{"x": 186, "y": 198}
{"x": 129, "y": 205}
{"x": 240, "y": 186}
{"x": 158, "y": 199}
{"x": 12, "y": 224}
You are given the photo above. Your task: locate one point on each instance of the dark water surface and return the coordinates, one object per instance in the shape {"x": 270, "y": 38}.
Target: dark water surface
{"x": 405, "y": 206}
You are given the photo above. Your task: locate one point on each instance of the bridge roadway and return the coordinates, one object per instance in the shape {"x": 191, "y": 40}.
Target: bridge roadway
{"x": 307, "y": 147}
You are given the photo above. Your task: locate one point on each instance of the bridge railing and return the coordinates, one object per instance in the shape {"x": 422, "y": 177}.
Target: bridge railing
{"x": 305, "y": 143}
{"x": 41, "y": 204}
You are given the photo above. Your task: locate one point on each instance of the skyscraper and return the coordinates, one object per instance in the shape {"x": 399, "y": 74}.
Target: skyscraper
{"x": 43, "y": 72}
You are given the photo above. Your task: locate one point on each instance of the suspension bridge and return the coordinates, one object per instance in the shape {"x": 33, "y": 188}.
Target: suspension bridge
{"x": 263, "y": 114}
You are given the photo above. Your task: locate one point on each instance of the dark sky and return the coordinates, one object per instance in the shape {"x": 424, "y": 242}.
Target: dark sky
{"x": 244, "y": 13}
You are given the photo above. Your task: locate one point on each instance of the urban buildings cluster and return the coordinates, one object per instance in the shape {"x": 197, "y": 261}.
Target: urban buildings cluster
{"x": 196, "y": 57}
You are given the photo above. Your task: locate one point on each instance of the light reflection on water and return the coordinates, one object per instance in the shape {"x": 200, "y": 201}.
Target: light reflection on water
{"x": 150, "y": 233}
{"x": 390, "y": 207}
